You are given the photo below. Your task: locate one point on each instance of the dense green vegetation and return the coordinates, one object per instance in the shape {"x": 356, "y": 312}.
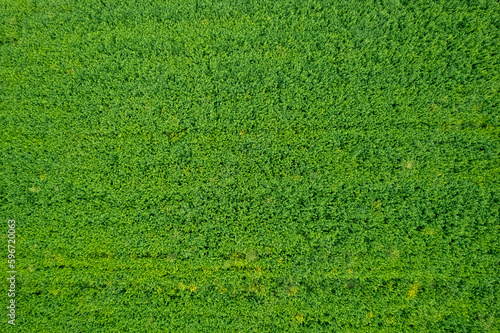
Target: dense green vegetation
{"x": 251, "y": 166}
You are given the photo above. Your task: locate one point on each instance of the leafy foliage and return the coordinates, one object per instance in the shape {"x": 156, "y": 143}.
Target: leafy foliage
{"x": 252, "y": 165}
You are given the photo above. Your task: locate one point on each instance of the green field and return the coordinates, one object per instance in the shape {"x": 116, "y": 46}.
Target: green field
{"x": 250, "y": 166}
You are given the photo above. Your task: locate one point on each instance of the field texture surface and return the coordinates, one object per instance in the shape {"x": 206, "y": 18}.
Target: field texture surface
{"x": 251, "y": 166}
